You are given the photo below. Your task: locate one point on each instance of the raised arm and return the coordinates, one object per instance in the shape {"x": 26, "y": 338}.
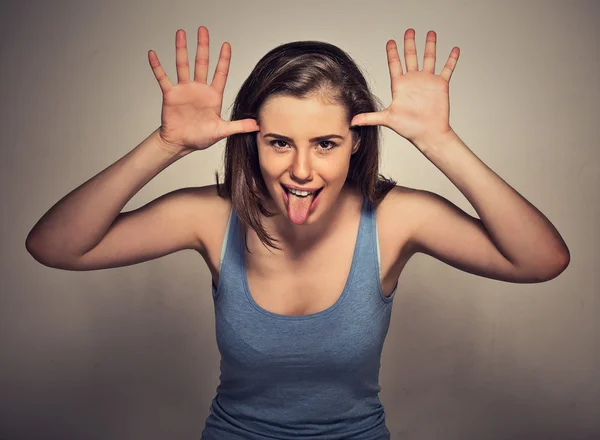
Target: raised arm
{"x": 511, "y": 240}
{"x": 86, "y": 229}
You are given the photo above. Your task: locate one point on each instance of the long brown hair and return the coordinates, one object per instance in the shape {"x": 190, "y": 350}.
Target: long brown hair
{"x": 299, "y": 69}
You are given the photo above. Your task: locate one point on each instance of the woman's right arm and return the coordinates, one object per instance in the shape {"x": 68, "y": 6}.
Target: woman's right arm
{"x": 85, "y": 230}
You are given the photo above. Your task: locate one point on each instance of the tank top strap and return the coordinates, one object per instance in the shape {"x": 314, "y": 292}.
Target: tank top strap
{"x": 374, "y": 252}
{"x": 366, "y": 244}
{"x": 230, "y": 252}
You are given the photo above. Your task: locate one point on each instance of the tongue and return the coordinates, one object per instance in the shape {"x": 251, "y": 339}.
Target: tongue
{"x": 298, "y": 208}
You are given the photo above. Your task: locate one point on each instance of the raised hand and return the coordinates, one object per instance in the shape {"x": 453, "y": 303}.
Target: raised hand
{"x": 420, "y": 107}
{"x": 191, "y": 109}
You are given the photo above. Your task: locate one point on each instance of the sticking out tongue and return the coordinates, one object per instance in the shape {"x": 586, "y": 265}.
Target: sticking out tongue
{"x": 298, "y": 207}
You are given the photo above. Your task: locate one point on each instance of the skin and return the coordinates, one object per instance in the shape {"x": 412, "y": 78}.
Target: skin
{"x": 511, "y": 240}
{"x": 303, "y": 163}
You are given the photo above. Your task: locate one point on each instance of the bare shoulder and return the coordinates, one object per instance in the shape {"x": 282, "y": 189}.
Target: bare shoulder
{"x": 205, "y": 210}
{"x": 211, "y": 203}
{"x": 410, "y": 203}
{"x": 398, "y": 205}
{"x": 211, "y": 213}
{"x": 399, "y": 214}
{"x": 212, "y": 216}
{"x": 399, "y": 194}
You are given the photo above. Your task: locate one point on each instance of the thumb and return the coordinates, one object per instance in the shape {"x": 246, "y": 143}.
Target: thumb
{"x": 374, "y": 118}
{"x": 241, "y": 126}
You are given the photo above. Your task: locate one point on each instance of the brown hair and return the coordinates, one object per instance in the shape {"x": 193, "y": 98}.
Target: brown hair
{"x": 300, "y": 69}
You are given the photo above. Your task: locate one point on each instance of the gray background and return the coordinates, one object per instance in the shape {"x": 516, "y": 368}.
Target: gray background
{"x": 130, "y": 353}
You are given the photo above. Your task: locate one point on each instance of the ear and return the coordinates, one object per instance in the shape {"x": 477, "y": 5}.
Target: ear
{"x": 355, "y": 139}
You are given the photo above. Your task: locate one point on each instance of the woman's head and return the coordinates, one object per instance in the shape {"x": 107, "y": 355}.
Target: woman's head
{"x": 297, "y": 92}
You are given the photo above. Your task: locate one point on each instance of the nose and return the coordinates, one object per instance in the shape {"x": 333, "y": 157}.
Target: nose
{"x": 300, "y": 168}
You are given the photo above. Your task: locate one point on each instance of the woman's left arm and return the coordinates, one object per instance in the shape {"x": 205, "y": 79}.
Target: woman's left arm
{"x": 517, "y": 229}
{"x": 512, "y": 240}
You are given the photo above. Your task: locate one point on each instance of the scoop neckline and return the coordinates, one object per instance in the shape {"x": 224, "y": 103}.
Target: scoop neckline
{"x": 323, "y": 312}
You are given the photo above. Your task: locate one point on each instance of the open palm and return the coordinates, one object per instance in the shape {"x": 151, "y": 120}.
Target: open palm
{"x": 191, "y": 109}
{"x": 420, "y": 99}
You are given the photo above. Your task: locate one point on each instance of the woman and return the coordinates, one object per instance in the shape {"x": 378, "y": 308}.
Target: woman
{"x": 304, "y": 239}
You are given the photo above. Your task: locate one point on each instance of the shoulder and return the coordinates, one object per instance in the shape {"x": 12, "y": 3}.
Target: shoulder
{"x": 210, "y": 212}
{"x": 402, "y": 211}
{"x": 411, "y": 203}
{"x": 208, "y": 195}
{"x": 400, "y": 201}
{"x": 204, "y": 201}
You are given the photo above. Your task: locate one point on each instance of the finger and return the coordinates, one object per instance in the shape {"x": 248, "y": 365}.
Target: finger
{"x": 182, "y": 61}
{"x": 448, "y": 69}
{"x": 241, "y": 126}
{"x": 374, "y": 118}
{"x": 159, "y": 72}
{"x": 222, "y": 70}
{"x": 410, "y": 50}
{"x": 429, "y": 56}
{"x": 201, "y": 67}
{"x": 394, "y": 63}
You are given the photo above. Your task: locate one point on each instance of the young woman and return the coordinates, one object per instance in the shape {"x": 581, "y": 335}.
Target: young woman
{"x": 304, "y": 239}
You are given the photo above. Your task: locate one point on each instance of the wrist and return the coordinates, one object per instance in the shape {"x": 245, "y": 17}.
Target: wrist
{"x": 434, "y": 141}
{"x": 172, "y": 150}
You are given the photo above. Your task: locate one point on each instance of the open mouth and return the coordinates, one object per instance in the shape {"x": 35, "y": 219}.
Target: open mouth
{"x": 301, "y": 193}
{"x": 300, "y": 202}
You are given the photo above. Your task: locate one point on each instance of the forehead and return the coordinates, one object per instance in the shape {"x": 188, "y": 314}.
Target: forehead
{"x": 295, "y": 115}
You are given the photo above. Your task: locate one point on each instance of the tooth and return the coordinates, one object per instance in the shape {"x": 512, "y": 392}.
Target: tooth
{"x": 300, "y": 193}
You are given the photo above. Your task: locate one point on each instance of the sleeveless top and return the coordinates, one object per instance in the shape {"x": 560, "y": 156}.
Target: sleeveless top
{"x": 293, "y": 377}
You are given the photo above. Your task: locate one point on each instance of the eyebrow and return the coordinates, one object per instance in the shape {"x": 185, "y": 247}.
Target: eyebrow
{"x": 315, "y": 139}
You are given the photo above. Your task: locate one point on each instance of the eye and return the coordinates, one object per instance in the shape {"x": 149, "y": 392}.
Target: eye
{"x": 327, "y": 145}
{"x": 278, "y": 147}
{"x": 324, "y": 146}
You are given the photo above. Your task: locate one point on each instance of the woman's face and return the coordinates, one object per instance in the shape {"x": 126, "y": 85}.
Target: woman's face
{"x": 304, "y": 150}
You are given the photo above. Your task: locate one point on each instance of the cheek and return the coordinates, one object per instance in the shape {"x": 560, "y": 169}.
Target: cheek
{"x": 336, "y": 170}
{"x": 271, "y": 166}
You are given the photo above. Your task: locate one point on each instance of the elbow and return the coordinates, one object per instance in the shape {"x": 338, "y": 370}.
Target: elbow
{"x": 563, "y": 259}
{"x": 33, "y": 250}
{"x": 37, "y": 252}
{"x": 563, "y": 262}
{"x": 45, "y": 254}
{"x": 558, "y": 266}
{"x": 544, "y": 269}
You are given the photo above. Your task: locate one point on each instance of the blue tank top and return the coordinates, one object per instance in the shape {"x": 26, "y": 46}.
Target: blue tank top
{"x": 292, "y": 377}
